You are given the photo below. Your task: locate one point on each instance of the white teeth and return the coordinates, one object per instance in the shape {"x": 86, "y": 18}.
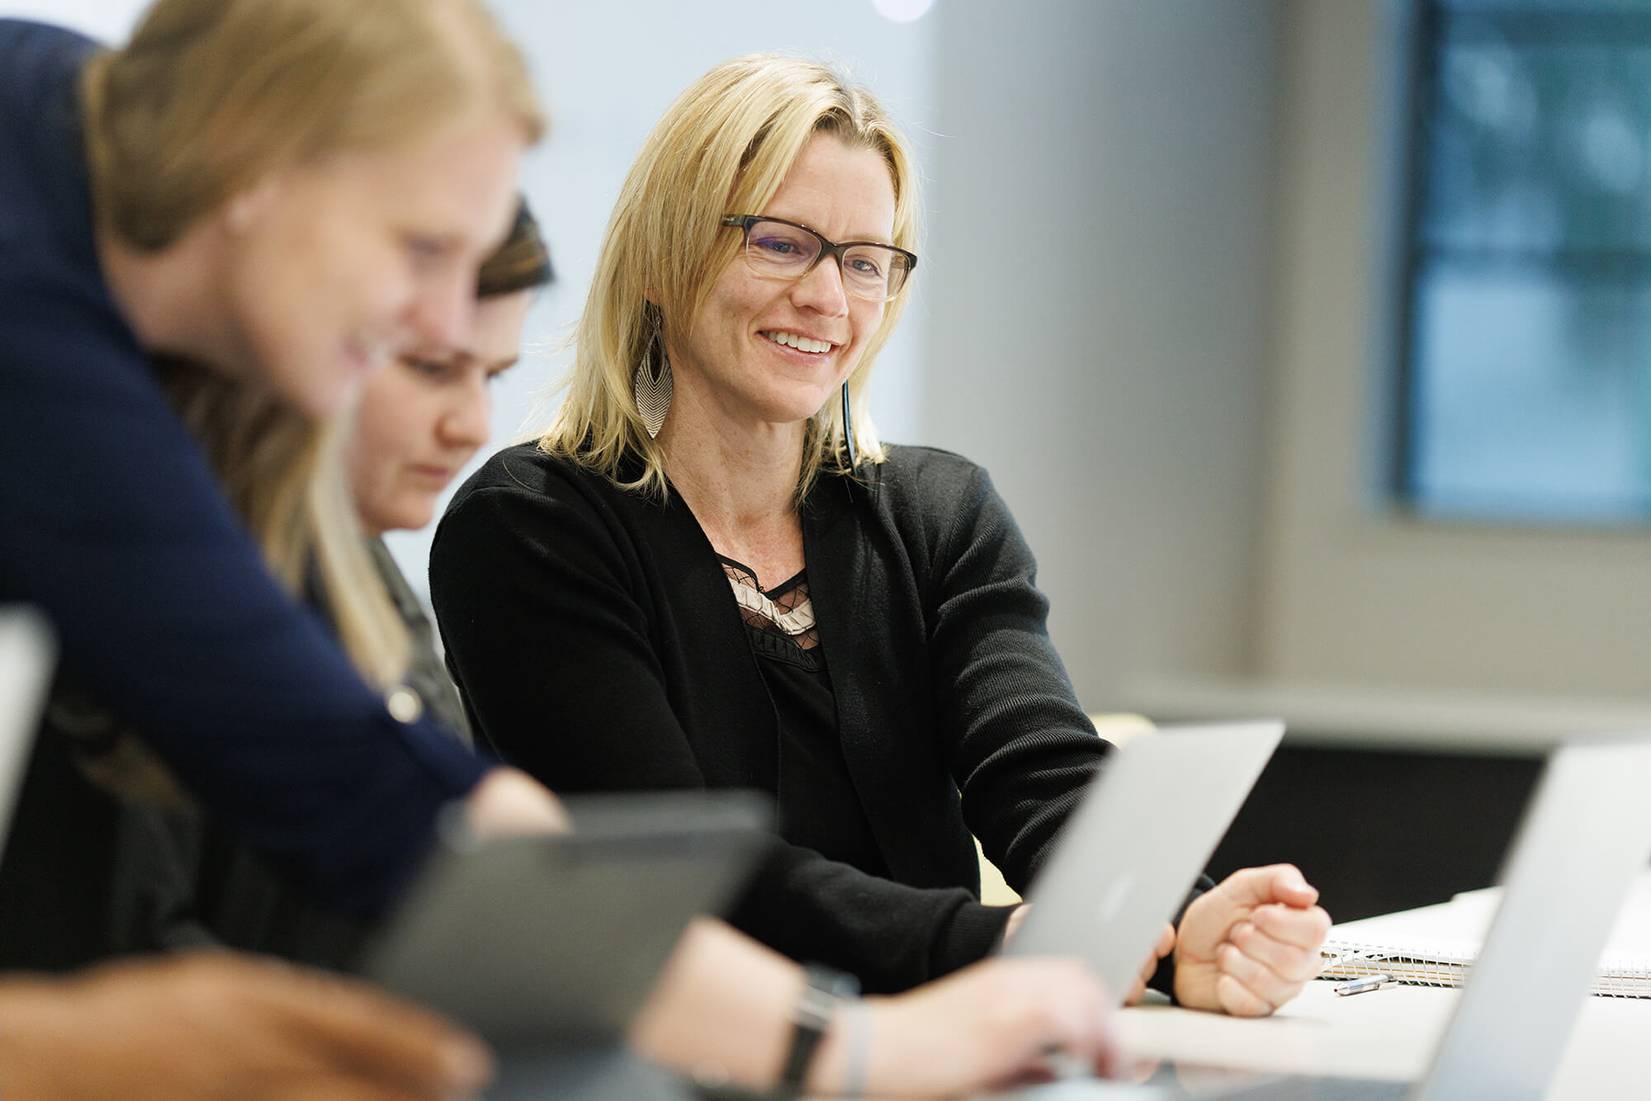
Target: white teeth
{"x": 801, "y": 343}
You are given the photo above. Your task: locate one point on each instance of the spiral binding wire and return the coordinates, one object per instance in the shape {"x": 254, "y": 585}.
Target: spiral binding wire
{"x": 1448, "y": 964}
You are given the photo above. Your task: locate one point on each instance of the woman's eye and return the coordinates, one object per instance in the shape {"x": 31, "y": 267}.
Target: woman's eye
{"x": 432, "y": 369}
{"x": 426, "y": 250}
{"x": 777, "y": 246}
{"x": 863, "y": 265}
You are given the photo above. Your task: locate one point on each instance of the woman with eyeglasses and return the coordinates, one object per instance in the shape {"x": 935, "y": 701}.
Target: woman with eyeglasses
{"x": 710, "y": 571}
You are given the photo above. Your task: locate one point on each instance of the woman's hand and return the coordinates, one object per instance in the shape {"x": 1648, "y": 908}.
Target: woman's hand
{"x": 508, "y": 802}
{"x": 217, "y": 1025}
{"x": 988, "y": 1026}
{"x": 1251, "y": 944}
{"x": 1165, "y": 945}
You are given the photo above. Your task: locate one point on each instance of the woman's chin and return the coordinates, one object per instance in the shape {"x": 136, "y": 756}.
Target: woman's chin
{"x": 796, "y": 406}
{"x": 400, "y": 516}
{"x": 317, "y": 396}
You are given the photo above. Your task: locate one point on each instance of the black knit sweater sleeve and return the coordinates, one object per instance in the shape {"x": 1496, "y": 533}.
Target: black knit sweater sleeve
{"x": 544, "y": 603}
{"x": 1021, "y": 748}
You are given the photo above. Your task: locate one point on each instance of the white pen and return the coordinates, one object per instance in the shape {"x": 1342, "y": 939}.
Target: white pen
{"x": 1364, "y": 985}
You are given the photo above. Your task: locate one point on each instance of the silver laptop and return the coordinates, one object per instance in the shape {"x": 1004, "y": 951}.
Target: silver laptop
{"x": 1137, "y": 843}
{"x": 1584, "y": 838}
{"x": 26, "y": 653}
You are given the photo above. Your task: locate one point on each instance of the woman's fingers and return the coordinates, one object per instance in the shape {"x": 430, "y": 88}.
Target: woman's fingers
{"x": 1165, "y": 945}
{"x": 1268, "y": 988}
{"x": 1237, "y": 999}
{"x": 1304, "y": 928}
{"x": 372, "y": 1035}
{"x": 1289, "y": 962}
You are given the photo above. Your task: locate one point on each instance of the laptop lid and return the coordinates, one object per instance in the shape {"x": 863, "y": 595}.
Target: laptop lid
{"x": 543, "y": 943}
{"x": 26, "y": 653}
{"x": 1137, "y": 843}
{"x": 1584, "y": 838}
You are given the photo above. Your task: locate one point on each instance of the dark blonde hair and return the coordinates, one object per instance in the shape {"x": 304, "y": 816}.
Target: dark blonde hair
{"x": 209, "y": 96}
{"x": 725, "y": 146}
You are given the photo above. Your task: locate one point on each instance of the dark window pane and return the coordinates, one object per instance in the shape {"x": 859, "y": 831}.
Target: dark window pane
{"x": 1543, "y": 147}
{"x": 1554, "y": 7}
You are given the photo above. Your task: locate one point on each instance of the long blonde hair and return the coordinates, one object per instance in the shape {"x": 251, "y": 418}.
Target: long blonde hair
{"x": 209, "y": 96}
{"x": 285, "y": 475}
{"x": 725, "y": 146}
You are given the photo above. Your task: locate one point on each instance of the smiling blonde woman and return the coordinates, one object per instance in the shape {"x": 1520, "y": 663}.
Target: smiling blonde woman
{"x": 710, "y": 572}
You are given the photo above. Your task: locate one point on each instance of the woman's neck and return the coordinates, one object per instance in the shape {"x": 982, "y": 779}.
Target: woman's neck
{"x": 739, "y": 476}
{"x": 172, "y": 298}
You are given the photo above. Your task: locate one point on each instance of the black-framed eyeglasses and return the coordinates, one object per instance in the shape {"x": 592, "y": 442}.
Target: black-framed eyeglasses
{"x": 778, "y": 249}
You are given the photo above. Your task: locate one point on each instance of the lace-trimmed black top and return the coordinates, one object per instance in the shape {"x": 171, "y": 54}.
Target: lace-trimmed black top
{"x": 818, "y": 806}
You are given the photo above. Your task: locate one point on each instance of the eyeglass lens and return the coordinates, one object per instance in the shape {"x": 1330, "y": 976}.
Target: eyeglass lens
{"x": 869, "y": 271}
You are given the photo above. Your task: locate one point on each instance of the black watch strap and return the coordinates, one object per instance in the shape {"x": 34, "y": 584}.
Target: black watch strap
{"x": 823, "y": 990}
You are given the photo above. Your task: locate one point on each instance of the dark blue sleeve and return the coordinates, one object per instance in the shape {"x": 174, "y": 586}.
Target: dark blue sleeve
{"x": 112, "y": 524}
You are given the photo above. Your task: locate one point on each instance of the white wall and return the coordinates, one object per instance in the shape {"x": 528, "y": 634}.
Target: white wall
{"x": 106, "y": 20}
{"x": 1099, "y": 297}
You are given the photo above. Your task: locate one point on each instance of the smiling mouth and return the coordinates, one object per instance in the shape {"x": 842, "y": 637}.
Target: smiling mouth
{"x": 798, "y": 342}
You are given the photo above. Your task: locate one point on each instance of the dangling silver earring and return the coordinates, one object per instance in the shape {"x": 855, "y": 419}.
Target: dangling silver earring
{"x": 652, "y": 388}
{"x": 848, "y": 432}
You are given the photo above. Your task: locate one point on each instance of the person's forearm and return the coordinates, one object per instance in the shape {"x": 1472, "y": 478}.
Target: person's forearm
{"x": 722, "y": 1007}
{"x": 31, "y": 1017}
{"x": 892, "y": 936}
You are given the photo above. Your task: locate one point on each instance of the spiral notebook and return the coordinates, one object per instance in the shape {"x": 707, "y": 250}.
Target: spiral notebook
{"x": 1437, "y": 945}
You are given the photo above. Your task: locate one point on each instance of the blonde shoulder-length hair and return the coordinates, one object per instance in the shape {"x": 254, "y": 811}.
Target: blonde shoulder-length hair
{"x": 285, "y": 475}
{"x": 724, "y": 147}
{"x": 210, "y": 96}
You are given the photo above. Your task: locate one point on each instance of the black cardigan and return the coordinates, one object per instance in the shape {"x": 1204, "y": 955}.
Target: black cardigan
{"x": 597, "y": 645}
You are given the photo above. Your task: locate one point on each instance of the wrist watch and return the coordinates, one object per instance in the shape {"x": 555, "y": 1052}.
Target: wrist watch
{"x": 823, "y": 990}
